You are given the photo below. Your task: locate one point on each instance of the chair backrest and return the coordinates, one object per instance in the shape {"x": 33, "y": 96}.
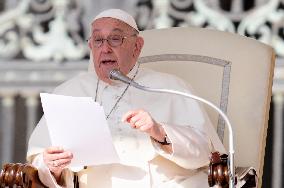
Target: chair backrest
{"x": 232, "y": 71}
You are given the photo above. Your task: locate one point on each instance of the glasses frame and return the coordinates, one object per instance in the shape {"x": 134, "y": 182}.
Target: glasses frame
{"x": 108, "y": 42}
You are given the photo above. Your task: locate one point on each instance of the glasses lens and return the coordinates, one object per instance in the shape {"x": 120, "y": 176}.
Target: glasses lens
{"x": 98, "y": 41}
{"x": 115, "y": 40}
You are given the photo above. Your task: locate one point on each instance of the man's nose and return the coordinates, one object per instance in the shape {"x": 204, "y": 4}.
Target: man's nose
{"x": 106, "y": 48}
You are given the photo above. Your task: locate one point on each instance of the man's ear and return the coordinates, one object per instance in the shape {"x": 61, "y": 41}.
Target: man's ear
{"x": 138, "y": 46}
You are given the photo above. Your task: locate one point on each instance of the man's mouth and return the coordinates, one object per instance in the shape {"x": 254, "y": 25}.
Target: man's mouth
{"x": 108, "y": 62}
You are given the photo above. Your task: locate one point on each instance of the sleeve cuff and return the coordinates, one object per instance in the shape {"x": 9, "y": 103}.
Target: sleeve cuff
{"x": 44, "y": 173}
{"x": 190, "y": 147}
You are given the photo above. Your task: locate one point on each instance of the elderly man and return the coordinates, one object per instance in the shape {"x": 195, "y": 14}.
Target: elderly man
{"x": 162, "y": 141}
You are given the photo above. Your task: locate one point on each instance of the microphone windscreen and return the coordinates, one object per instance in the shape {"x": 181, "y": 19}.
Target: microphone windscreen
{"x": 114, "y": 74}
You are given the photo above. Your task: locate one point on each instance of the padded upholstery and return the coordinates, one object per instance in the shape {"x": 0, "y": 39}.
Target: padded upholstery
{"x": 232, "y": 71}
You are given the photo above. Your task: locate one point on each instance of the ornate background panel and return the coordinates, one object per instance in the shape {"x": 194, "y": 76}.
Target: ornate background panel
{"x": 43, "y": 43}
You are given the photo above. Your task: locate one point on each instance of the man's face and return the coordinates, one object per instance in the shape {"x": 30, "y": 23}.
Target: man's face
{"x": 107, "y": 57}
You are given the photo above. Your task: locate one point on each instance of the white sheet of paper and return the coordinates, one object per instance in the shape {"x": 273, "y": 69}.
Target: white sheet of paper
{"x": 78, "y": 124}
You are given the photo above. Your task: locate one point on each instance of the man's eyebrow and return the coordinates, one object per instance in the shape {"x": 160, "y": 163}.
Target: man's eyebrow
{"x": 94, "y": 30}
{"x": 117, "y": 29}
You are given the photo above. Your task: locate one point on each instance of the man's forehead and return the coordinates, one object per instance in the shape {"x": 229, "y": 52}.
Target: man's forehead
{"x": 114, "y": 30}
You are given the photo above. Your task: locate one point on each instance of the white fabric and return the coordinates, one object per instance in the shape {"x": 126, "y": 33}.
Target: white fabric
{"x": 186, "y": 125}
{"x": 120, "y": 15}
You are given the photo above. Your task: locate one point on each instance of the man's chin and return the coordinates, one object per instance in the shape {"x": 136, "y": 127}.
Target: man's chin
{"x": 109, "y": 81}
{"x": 104, "y": 72}
{"x": 106, "y": 80}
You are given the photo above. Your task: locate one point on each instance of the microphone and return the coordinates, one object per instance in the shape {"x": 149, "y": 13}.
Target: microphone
{"x": 117, "y": 75}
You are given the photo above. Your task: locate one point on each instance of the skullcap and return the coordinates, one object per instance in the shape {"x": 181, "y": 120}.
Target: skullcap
{"x": 120, "y": 15}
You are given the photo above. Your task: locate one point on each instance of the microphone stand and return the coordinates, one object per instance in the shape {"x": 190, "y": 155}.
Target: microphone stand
{"x": 224, "y": 116}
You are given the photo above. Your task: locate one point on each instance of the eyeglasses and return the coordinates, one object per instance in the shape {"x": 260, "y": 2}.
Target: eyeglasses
{"x": 112, "y": 40}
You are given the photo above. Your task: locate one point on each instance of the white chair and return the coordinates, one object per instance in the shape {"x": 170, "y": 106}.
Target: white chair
{"x": 232, "y": 71}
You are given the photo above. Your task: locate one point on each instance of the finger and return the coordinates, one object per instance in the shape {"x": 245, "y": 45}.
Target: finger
{"x": 143, "y": 117}
{"x": 53, "y": 164}
{"x": 60, "y": 162}
{"x": 58, "y": 165}
{"x": 64, "y": 165}
{"x": 57, "y": 168}
{"x": 58, "y": 156}
{"x": 137, "y": 117}
{"x": 48, "y": 158}
{"x": 145, "y": 123}
{"x": 54, "y": 149}
{"x": 136, "y": 121}
{"x": 126, "y": 117}
{"x": 140, "y": 123}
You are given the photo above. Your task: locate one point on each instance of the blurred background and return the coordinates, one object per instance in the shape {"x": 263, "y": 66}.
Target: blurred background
{"x": 43, "y": 43}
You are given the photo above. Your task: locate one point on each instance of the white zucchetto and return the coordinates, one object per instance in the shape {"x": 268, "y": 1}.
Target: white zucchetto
{"x": 120, "y": 15}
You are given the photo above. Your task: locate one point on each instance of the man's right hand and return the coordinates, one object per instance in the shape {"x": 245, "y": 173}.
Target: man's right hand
{"x": 56, "y": 160}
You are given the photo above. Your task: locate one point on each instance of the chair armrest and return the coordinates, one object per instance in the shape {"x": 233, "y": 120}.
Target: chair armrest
{"x": 218, "y": 174}
{"x": 22, "y": 175}
{"x": 218, "y": 170}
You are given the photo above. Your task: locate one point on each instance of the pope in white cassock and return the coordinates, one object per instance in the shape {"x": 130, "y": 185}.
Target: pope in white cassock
{"x": 162, "y": 140}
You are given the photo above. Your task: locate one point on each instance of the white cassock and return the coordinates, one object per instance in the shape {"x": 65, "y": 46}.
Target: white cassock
{"x": 143, "y": 163}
